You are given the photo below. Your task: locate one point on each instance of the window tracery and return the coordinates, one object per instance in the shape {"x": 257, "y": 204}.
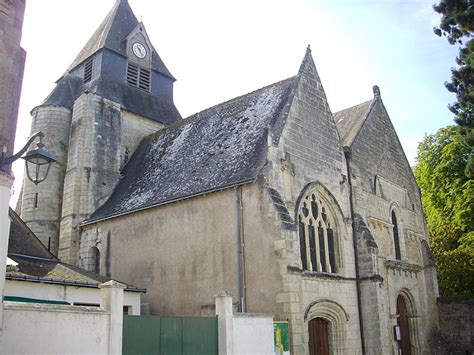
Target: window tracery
{"x": 317, "y": 234}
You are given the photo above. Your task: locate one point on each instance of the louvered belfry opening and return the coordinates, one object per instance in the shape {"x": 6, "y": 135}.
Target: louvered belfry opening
{"x": 138, "y": 76}
{"x": 88, "y": 70}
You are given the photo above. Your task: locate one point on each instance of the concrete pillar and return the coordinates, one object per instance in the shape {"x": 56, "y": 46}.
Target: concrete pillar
{"x": 111, "y": 299}
{"x": 225, "y": 327}
{"x": 6, "y": 182}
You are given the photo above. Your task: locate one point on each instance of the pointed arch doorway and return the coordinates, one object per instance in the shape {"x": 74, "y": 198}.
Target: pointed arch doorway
{"x": 318, "y": 336}
{"x": 404, "y": 343}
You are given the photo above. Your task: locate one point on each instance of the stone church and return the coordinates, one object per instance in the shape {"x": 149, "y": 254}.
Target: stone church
{"x": 310, "y": 215}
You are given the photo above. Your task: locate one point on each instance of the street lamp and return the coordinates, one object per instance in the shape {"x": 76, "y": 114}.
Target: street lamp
{"x": 38, "y": 161}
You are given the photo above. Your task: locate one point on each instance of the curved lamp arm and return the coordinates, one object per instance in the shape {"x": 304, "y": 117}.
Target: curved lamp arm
{"x": 9, "y": 160}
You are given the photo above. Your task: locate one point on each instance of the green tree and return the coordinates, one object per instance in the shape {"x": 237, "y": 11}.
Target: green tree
{"x": 457, "y": 25}
{"x": 448, "y": 200}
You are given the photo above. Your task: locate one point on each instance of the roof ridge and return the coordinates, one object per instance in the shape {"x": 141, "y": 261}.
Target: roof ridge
{"x": 98, "y": 36}
{"x": 240, "y": 97}
{"x": 351, "y": 107}
{"x": 179, "y": 123}
{"x": 366, "y": 116}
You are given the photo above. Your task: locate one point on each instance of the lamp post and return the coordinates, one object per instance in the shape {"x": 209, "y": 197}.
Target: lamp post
{"x": 38, "y": 161}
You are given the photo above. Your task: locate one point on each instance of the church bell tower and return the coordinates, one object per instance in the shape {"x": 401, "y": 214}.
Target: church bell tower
{"x": 115, "y": 92}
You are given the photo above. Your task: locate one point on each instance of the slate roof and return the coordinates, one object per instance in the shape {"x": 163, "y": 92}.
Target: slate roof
{"x": 285, "y": 217}
{"x": 110, "y": 34}
{"x": 350, "y": 120}
{"x": 222, "y": 146}
{"x": 157, "y": 105}
{"x": 66, "y": 92}
{"x": 159, "y": 108}
{"x": 23, "y": 241}
{"x": 37, "y": 264}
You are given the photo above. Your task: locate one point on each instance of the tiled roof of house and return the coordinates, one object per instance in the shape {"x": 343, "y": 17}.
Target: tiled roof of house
{"x": 36, "y": 264}
{"x": 22, "y": 240}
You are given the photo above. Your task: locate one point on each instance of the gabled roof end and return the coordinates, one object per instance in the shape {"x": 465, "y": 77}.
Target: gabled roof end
{"x": 307, "y": 59}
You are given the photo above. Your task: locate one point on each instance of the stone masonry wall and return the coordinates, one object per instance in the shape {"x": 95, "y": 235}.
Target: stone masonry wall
{"x": 93, "y": 166}
{"x": 134, "y": 129}
{"x": 41, "y": 204}
{"x": 456, "y": 324}
{"x": 309, "y": 155}
{"x": 377, "y": 151}
{"x": 12, "y": 62}
{"x": 383, "y": 182}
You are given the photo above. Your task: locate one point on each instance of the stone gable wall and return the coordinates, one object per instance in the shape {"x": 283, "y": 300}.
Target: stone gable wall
{"x": 376, "y": 151}
{"x": 309, "y": 155}
{"x": 383, "y": 182}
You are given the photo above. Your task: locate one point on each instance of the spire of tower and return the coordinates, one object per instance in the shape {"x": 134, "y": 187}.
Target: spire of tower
{"x": 112, "y": 33}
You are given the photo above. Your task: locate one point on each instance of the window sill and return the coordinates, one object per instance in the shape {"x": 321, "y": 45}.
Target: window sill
{"x": 317, "y": 275}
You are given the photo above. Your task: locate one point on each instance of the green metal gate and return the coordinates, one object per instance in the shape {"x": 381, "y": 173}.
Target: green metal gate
{"x": 169, "y": 335}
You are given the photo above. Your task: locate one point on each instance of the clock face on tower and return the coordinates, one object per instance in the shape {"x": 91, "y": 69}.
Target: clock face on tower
{"x": 139, "y": 50}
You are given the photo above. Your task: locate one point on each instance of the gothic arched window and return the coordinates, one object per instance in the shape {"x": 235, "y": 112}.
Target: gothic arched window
{"x": 317, "y": 234}
{"x": 396, "y": 239}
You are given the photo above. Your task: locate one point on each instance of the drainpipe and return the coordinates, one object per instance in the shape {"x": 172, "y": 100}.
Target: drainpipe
{"x": 239, "y": 236}
{"x": 347, "y": 154}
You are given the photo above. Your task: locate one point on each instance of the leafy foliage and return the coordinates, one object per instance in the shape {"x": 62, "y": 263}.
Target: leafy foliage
{"x": 448, "y": 200}
{"x": 457, "y": 24}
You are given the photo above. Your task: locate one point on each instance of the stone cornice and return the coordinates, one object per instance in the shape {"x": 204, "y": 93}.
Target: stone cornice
{"x": 402, "y": 265}
{"x": 378, "y": 223}
{"x": 413, "y": 235}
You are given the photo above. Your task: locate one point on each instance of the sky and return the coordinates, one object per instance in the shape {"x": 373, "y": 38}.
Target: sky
{"x": 220, "y": 49}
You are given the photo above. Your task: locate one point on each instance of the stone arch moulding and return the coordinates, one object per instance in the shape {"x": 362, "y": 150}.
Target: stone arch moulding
{"x": 394, "y": 206}
{"x": 398, "y": 241}
{"x": 315, "y": 185}
{"x": 337, "y": 317}
{"x": 414, "y": 320}
{"x": 409, "y": 301}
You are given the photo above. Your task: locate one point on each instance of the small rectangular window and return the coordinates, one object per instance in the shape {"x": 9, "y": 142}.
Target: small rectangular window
{"x": 88, "y": 70}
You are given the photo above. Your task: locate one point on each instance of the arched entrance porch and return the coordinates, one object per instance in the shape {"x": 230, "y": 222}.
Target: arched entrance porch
{"x": 326, "y": 326}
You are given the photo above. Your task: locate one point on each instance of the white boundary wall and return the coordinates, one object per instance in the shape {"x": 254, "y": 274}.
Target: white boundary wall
{"x": 31, "y": 328}
{"x": 88, "y": 296}
{"x": 242, "y": 333}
